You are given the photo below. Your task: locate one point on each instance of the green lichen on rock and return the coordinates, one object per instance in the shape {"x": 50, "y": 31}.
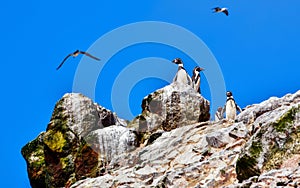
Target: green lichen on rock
{"x": 279, "y": 155}
{"x": 292, "y": 143}
{"x": 33, "y": 153}
{"x": 60, "y": 116}
{"x": 87, "y": 163}
{"x": 55, "y": 141}
{"x": 286, "y": 121}
{"x": 67, "y": 164}
{"x": 256, "y": 149}
{"x": 246, "y": 166}
{"x": 285, "y": 143}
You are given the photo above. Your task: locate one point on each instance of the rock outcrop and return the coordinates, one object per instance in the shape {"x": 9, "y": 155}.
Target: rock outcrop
{"x": 173, "y": 106}
{"x": 217, "y": 154}
{"x": 261, "y": 149}
{"x": 73, "y": 148}
{"x": 275, "y": 125}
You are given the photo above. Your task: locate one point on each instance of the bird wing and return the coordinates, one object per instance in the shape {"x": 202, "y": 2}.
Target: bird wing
{"x": 63, "y": 61}
{"x": 226, "y": 12}
{"x": 87, "y": 54}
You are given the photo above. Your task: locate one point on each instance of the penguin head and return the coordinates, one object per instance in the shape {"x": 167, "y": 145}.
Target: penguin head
{"x": 177, "y": 61}
{"x": 228, "y": 93}
{"x": 198, "y": 69}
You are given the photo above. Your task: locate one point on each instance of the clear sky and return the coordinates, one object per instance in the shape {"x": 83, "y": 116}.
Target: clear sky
{"x": 256, "y": 47}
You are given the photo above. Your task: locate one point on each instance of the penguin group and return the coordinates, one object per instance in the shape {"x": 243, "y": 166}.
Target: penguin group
{"x": 230, "y": 108}
{"x": 183, "y": 77}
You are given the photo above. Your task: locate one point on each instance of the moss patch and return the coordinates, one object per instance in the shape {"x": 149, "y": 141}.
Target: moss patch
{"x": 33, "y": 152}
{"x": 277, "y": 156}
{"x": 246, "y": 166}
{"x": 292, "y": 145}
{"x": 59, "y": 117}
{"x": 55, "y": 141}
{"x": 286, "y": 121}
{"x": 255, "y": 149}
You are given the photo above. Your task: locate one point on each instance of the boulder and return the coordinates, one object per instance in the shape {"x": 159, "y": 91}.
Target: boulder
{"x": 80, "y": 140}
{"x": 173, "y": 106}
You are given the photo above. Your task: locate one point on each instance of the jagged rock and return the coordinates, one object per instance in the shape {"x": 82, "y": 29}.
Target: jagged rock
{"x": 277, "y": 137}
{"x": 253, "y": 112}
{"x": 210, "y": 154}
{"x": 79, "y": 142}
{"x": 81, "y": 115}
{"x": 177, "y": 158}
{"x": 285, "y": 177}
{"x": 173, "y": 106}
{"x": 33, "y": 152}
{"x": 262, "y": 149}
{"x": 112, "y": 141}
{"x": 240, "y": 131}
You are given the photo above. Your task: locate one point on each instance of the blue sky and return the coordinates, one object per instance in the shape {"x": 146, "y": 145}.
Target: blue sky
{"x": 256, "y": 46}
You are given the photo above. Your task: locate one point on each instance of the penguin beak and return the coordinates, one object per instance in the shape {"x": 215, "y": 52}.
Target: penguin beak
{"x": 202, "y": 69}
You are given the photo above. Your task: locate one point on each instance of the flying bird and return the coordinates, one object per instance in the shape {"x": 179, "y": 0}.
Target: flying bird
{"x": 218, "y": 9}
{"x": 75, "y": 54}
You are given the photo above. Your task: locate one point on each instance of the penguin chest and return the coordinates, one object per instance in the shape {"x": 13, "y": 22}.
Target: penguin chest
{"x": 182, "y": 77}
{"x": 230, "y": 110}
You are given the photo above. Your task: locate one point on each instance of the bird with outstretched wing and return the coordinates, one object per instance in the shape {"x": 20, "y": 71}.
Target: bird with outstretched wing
{"x": 75, "y": 54}
{"x": 218, "y": 9}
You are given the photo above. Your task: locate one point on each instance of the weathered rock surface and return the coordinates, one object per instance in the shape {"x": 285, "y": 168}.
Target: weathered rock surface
{"x": 261, "y": 149}
{"x": 217, "y": 154}
{"x": 73, "y": 148}
{"x": 173, "y": 106}
{"x": 275, "y": 125}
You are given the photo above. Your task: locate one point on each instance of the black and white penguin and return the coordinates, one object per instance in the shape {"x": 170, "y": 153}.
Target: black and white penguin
{"x": 182, "y": 76}
{"x": 218, "y": 9}
{"x": 75, "y": 54}
{"x": 196, "y": 78}
{"x": 230, "y": 107}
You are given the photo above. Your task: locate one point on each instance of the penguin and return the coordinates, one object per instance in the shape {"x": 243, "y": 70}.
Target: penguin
{"x": 75, "y": 54}
{"x": 182, "y": 76}
{"x": 196, "y": 78}
{"x": 218, "y": 9}
{"x": 230, "y": 107}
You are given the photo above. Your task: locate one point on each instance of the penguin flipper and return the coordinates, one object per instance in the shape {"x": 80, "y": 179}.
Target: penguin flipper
{"x": 175, "y": 78}
{"x": 238, "y": 108}
{"x": 190, "y": 82}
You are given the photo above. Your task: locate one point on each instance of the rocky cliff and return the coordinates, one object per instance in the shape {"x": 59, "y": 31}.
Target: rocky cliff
{"x": 170, "y": 144}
